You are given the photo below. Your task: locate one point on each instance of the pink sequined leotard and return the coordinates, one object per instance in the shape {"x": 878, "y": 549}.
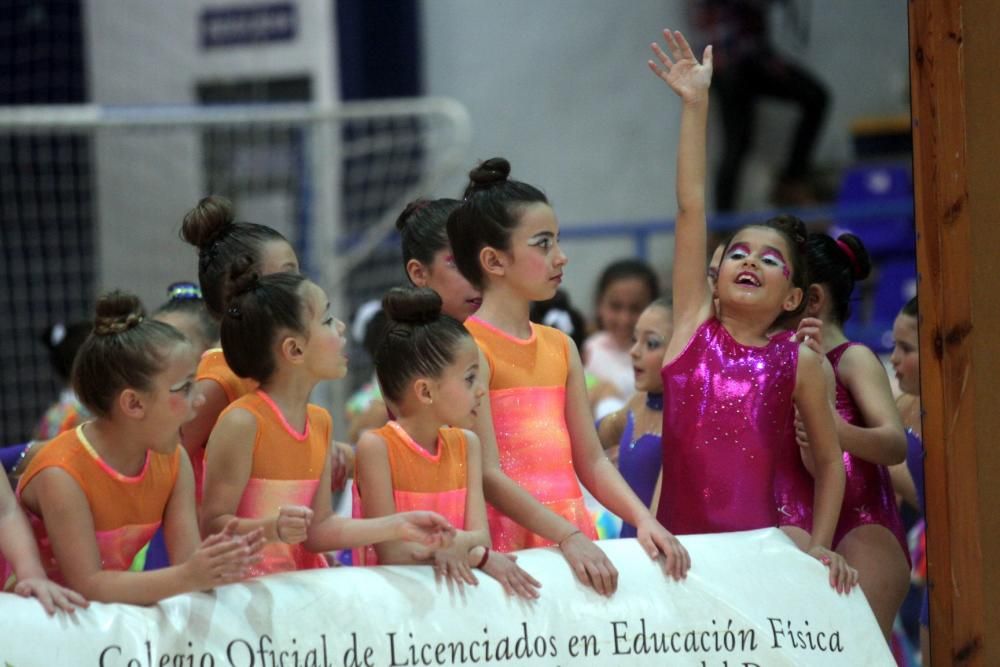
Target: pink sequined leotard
{"x": 726, "y": 408}
{"x": 868, "y": 494}
{"x": 528, "y": 401}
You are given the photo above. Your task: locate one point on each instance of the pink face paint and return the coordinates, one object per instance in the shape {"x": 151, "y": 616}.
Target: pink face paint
{"x": 776, "y": 255}
{"x": 738, "y": 247}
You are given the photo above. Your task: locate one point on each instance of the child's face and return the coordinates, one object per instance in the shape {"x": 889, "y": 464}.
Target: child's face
{"x": 172, "y": 400}
{"x": 905, "y": 357}
{"x": 535, "y": 262}
{"x": 459, "y": 299}
{"x": 324, "y": 341}
{"x": 277, "y": 256}
{"x": 620, "y": 305}
{"x": 652, "y": 333}
{"x": 756, "y": 271}
{"x": 457, "y": 392}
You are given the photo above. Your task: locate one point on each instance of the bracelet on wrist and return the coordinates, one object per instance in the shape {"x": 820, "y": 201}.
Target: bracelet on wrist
{"x": 486, "y": 557}
{"x": 575, "y": 532}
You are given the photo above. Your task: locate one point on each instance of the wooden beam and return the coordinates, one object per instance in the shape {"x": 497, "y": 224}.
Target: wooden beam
{"x": 955, "y": 88}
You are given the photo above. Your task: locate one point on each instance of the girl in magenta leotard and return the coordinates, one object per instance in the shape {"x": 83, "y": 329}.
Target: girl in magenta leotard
{"x": 729, "y": 391}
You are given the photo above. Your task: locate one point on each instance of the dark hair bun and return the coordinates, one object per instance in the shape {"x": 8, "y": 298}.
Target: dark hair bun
{"x": 207, "y": 221}
{"x": 117, "y": 312}
{"x": 411, "y": 209}
{"x": 494, "y": 170}
{"x": 856, "y": 254}
{"x": 412, "y": 305}
{"x": 242, "y": 279}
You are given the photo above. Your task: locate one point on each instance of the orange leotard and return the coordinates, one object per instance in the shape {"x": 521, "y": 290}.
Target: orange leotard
{"x": 126, "y": 510}
{"x": 286, "y": 470}
{"x": 528, "y": 401}
{"x": 421, "y": 481}
{"x": 213, "y": 366}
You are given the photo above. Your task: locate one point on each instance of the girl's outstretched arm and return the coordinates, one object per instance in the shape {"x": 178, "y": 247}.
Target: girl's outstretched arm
{"x": 813, "y": 403}
{"x": 17, "y": 545}
{"x": 690, "y": 80}
{"x": 604, "y": 481}
{"x": 588, "y": 562}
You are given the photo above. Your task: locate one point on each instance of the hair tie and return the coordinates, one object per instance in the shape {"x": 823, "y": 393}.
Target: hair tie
{"x": 105, "y": 328}
{"x": 846, "y": 249}
{"x": 184, "y": 291}
{"x": 234, "y": 312}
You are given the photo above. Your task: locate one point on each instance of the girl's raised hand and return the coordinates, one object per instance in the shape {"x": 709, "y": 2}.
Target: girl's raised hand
{"x": 681, "y": 70}
{"x": 224, "y": 558}
{"x": 810, "y": 332}
{"x": 51, "y": 595}
{"x": 428, "y": 528}
{"x": 656, "y": 539}
{"x": 843, "y": 577}
{"x": 515, "y": 581}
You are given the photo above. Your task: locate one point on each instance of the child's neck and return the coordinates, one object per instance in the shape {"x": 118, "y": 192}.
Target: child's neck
{"x": 119, "y": 443}
{"x": 833, "y": 335}
{"x": 422, "y": 431}
{"x": 745, "y": 329}
{"x": 506, "y": 310}
{"x": 290, "y": 391}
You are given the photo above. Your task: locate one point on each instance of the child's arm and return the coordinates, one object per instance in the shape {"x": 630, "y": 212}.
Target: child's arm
{"x": 590, "y": 565}
{"x": 690, "y": 80}
{"x": 70, "y": 527}
{"x": 17, "y": 545}
{"x": 604, "y": 481}
{"x": 228, "y": 462}
{"x": 500, "y": 566}
{"x": 327, "y": 531}
{"x": 611, "y": 427}
{"x": 813, "y": 404}
{"x": 882, "y": 440}
{"x": 902, "y": 483}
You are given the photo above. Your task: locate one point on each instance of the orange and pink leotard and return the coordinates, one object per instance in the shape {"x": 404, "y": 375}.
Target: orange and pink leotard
{"x": 213, "y": 366}
{"x": 127, "y": 511}
{"x": 528, "y": 400}
{"x": 286, "y": 470}
{"x": 420, "y": 480}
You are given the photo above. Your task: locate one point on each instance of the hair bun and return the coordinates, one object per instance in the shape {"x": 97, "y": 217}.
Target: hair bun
{"x": 412, "y": 305}
{"x": 857, "y": 255}
{"x": 207, "y": 221}
{"x": 117, "y": 312}
{"x": 494, "y": 170}
{"x": 242, "y": 280}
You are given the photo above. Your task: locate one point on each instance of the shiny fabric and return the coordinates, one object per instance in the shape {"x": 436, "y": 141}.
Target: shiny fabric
{"x": 420, "y": 480}
{"x": 286, "y": 469}
{"x": 639, "y": 463}
{"x": 868, "y": 494}
{"x": 126, "y": 510}
{"x": 528, "y": 402}
{"x": 727, "y": 408}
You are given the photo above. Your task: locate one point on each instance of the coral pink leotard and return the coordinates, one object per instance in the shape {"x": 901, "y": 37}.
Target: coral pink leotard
{"x": 528, "y": 401}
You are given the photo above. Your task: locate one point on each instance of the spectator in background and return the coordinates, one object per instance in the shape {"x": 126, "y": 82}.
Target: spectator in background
{"x": 748, "y": 67}
{"x": 63, "y": 342}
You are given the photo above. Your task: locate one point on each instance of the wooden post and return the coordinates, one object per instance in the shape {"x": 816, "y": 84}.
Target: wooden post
{"x": 955, "y": 79}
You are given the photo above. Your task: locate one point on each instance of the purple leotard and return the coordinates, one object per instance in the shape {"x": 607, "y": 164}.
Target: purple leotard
{"x": 727, "y": 408}
{"x": 639, "y": 463}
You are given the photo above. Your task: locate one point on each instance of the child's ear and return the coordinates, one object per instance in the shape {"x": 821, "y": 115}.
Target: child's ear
{"x": 417, "y": 272}
{"x": 493, "y": 261}
{"x": 422, "y": 389}
{"x": 132, "y": 403}
{"x": 793, "y": 299}
{"x": 815, "y": 298}
{"x": 292, "y": 349}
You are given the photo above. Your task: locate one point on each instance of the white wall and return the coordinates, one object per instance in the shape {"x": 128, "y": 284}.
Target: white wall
{"x": 561, "y": 88}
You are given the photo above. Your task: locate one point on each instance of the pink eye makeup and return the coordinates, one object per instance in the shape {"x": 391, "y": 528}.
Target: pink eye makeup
{"x": 773, "y": 256}
{"x": 738, "y": 251}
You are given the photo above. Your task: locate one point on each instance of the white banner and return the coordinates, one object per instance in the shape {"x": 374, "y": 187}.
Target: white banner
{"x": 750, "y": 600}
